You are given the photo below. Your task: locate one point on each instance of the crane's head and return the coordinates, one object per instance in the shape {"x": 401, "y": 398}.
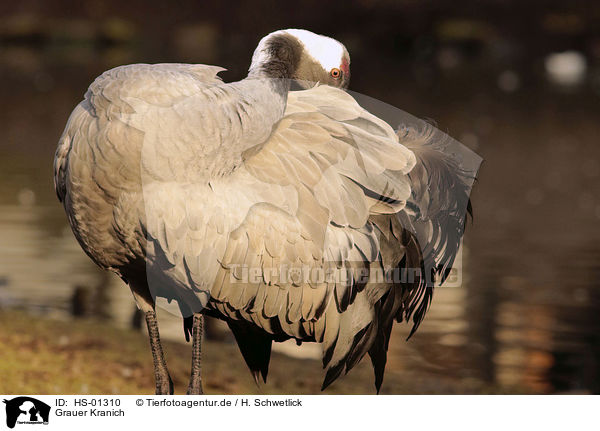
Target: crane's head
{"x": 304, "y": 56}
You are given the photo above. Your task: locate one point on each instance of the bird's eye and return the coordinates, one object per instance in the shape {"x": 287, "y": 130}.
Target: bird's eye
{"x": 335, "y": 73}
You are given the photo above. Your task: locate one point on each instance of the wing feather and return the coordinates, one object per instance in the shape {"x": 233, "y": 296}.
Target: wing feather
{"x": 327, "y": 191}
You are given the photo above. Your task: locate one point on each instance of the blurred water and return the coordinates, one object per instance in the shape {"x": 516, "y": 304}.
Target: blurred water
{"x": 527, "y": 317}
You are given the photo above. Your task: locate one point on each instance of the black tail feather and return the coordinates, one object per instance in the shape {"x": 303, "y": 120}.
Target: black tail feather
{"x": 255, "y": 346}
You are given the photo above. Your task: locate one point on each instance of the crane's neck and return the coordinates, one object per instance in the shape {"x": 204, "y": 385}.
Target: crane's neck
{"x": 276, "y": 59}
{"x": 259, "y": 102}
{"x": 244, "y": 114}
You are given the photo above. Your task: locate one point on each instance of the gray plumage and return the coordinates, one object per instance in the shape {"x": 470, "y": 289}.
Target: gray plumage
{"x": 179, "y": 182}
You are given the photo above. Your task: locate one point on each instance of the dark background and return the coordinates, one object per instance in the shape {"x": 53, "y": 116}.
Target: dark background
{"x": 516, "y": 81}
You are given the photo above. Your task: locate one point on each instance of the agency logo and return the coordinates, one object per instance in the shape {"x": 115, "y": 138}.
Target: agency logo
{"x": 26, "y": 410}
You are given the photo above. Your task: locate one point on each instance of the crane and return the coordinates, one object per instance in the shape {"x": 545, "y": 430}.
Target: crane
{"x": 287, "y": 214}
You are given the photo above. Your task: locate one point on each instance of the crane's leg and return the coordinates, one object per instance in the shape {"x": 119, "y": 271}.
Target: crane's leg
{"x": 164, "y": 384}
{"x": 195, "y": 386}
{"x": 145, "y": 302}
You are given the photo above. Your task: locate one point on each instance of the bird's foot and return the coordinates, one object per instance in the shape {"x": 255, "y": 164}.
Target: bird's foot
{"x": 164, "y": 386}
{"x": 195, "y": 387}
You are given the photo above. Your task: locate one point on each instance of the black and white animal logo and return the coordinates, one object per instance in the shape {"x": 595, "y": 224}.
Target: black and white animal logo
{"x": 26, "y": 410}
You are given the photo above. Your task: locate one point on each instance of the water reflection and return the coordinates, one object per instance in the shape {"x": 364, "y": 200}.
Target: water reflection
{"x": 527, "y": 316}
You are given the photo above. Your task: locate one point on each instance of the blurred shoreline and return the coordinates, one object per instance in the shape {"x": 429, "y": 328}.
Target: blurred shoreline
{"x": 85, "y": 356}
